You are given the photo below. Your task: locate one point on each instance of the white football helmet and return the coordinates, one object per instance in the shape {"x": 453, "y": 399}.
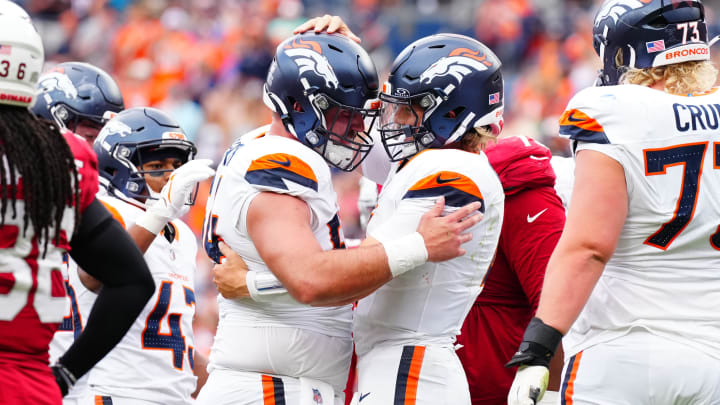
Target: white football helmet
{"x": 21, "y": 56}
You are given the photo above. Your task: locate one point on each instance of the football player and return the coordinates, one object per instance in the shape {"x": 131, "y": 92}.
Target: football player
{"x": 272, "y": 201}
{"x": 48, "y": 209}
{"x": 633, "y": 284}
{"x": 78, "y": 98}
{"x": 408, "y": 326}
{"x": 147, "y": 176}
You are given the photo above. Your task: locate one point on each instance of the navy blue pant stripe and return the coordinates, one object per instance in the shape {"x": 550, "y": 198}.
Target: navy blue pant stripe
{"x": 566, "y": 378}
{"x": 279, "y": 391}
{"x": 403, "y": 374}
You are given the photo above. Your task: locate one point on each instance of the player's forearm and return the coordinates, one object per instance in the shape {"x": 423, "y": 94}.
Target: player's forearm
{"x": 337, "y": 276}
{"x": 142, "y": 237}
{"x": 570, "y": 278}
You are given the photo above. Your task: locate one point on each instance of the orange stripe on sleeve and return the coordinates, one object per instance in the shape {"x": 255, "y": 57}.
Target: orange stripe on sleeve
{"x": 414, "y": 375}
{"x": 447, "y": 178}
{"x": 579, "y": 119}
{"x": 283, "y": 161}
{"x": 114, "y": 212}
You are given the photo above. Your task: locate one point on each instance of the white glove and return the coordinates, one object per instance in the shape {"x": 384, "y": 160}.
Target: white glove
{"x": 173, "y": 196}
{"x": 529, "y": 385}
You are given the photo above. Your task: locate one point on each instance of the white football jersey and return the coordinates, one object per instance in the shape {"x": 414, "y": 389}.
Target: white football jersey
{"x": 428, "y": 304}
{"x": 280, "y": 165}
{"x": 154, "y": 360}
{"x": 564, "y": 168}
{"x": 665, "y": 273}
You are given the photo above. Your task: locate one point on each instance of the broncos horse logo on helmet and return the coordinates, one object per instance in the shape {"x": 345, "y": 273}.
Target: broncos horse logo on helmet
{"x": 308, "y": 56}
{"x": 460, "y": 63}
{"x": 648, "y": 33}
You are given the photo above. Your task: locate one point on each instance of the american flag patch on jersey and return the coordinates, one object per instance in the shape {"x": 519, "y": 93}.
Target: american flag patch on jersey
{"x": 494, "y": 98}
{"x": 5, "y": 49}
{"x": 655, "y": 46}
{"x": 317, "y": 397}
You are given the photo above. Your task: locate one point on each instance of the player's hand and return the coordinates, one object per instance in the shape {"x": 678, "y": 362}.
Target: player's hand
{"x": 444, "y": 235}
{"x": 529, "y": 385}
{"x": 64, "y": 378}
{"x": 229, "y": 277}
{"x": 173, "y": 196}
{"x": 329, "y": 23}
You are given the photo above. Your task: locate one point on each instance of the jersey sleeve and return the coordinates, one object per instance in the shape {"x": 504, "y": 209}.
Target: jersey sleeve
{"x": 458, "y": 189}
{"x": 282, "y": 173}
{"x": 579, "y": 121}
{"x": 87, "y": 167}
{"x": 533, "y": 222}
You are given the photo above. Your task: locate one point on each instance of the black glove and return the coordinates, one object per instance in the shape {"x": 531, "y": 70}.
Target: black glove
{"x": 64, "y": 378}
{"x": 538, "y": 345}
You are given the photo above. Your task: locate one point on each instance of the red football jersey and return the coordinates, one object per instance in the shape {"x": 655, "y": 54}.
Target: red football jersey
{"x": 32, "y": 293}
{"x": 532, "y": 224}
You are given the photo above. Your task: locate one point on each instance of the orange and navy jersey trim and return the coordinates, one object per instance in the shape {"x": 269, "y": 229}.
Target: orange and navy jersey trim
{"x": 457, "y": 189}
{"x": 103, "y": 400}
{"x": 273, "y": 390}
{"x": 580, "y": 126}
{"x": 270, "y": 170}
{"x": 408, "y": 376}
{"x": 568, "y": 385}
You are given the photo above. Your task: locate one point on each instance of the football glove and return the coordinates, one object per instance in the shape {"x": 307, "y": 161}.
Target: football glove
{"x": 529, "y": 385}
{"x": 64, "y": 378}
{"x": 537, "y": 348}
{"x": 171, "y": 203}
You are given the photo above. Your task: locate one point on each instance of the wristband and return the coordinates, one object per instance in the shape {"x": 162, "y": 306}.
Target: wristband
{"x": 538, "y": 345}
{"x": 264, "y": 286}
{"x": 152, "y": 222}
{"x": 405, "y": 253}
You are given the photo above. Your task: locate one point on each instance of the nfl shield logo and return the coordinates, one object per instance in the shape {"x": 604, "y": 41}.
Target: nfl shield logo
{"x": 317, "y": 397}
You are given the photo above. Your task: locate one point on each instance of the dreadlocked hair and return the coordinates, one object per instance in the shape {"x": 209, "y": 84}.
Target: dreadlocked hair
{"x": 38, "y": 153}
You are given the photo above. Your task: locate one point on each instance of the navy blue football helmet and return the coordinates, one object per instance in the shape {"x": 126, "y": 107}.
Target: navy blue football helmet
{"x": 648, "y": 33}
{"x": 440, "y": 87}
{"x": 77, "y": 94}
{"x": 134, "y": 137}
{"x": 319, "y": 85}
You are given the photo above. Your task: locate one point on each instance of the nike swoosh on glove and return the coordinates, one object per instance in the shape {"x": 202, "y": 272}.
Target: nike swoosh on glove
{"x": 529, "y": 385}
{"x": 171, "y": 203}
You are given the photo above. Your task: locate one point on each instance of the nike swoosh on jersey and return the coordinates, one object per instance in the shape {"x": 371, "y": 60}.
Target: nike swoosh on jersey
{"x": 572, "y": 118}
{"x": 532, "y": 219}
{"x": 440, "y": 180}
{"x": 285, "y": 163}
{"x": 362, "y": 396}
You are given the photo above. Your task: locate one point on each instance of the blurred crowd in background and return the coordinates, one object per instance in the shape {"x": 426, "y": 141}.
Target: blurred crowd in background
{"x": 204, "y": 62}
